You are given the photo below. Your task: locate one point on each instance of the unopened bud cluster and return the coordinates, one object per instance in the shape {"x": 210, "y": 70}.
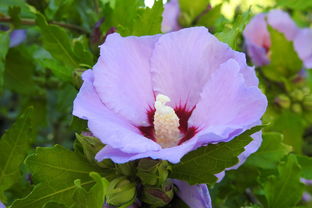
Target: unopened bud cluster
{"x": 298, "y": 101}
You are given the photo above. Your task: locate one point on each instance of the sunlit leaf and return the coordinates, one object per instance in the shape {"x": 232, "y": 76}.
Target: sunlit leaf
{"x": 55, "y": 169}
{"x": 270, "y": 153}
{"x": 284, "y": 190}
{"x": 201, "y": 165}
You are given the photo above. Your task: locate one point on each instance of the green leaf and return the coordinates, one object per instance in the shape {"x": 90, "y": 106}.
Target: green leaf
{"x": 209, "y": 18}
{"x": 232, "y": 35}
{"x": 57, "y": 42}
{"x": 291, "y": 125}
{"x": 14, "y": 13}
{"x": 94, "y": 198}
{"x": 18, "y": 75}
{"x": 201, "y": 165}
{"x": 284, "y": 190}
{"x": 54, "y": 205}
{"x": 190, "y": 10}
{"x": 25, "y": 9}
{"x": 64, "y": 73}
{"x": 4, "y": 43}
{"x": 306, "y": 166}
{"x": 14, "y": 145}
{"x": 81, "y": 51}
{"x": 54, "y": 162}
{"x": 149, "y": 22}
{"x": 56, "y": 168}
{"x": 271, "y": 151}
{"x": 78, "y": 125}
{"x": 295, "y": 4}
{"x": 124, "y": 23}
{"x": 284, "y": 61}
{"x": 90, "y": 145}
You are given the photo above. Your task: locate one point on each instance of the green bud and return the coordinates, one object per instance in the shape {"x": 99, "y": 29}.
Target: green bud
{"x": 297, "y": 95}
{"x": 126, "y": 169}
{"x": 307, "y": 102}
{"x": 283, "y": 101}
{"x": 296, "y": 107}
{"x": 120, "y": 191}
{"x": 158, "y": 197}
{"x": 306, "y": 91}
{"x": 153, "y": 172}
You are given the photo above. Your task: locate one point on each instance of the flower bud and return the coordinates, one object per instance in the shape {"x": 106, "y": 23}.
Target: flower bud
{"x": 153, "y": 172}
{"x": 306, "y": 91}
{"x": 158, "y": 196}
{"x": 297, "y": 95}
{"x": 307, "y": 102}
{"x": 296, "y": 107}
{"x": 283, "y": 101}
{"x": 120, "y": 192}
{"x": 126, "y": 169}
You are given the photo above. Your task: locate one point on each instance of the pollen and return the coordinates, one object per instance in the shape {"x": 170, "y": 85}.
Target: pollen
{"x": 166, "y": 123}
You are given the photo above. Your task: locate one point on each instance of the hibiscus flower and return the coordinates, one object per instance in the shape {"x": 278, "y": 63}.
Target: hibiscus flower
{"x": 258, "y": 40}
{"x": 163, "y": 96}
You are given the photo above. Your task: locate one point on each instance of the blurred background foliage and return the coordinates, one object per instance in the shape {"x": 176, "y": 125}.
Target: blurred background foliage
{"x": 59, "y": 39}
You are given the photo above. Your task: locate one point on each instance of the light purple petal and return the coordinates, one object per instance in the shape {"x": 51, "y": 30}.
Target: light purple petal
{"x": 227, "y": 102}
{"x": 282, "y": 22}
{"x": 106, "y": 125}
{"x": 17, "y": 37}
{"x": 183, "y": 61}
{"x": 122, "y": 76}
{"x": 173, "y": 154}
{"x": 170, "y": 16}
{"x": 303, "y": 46}
{"x": 1, "y": 205}
{"x": 257, "y": 37}
{"x": 194, "y": 196}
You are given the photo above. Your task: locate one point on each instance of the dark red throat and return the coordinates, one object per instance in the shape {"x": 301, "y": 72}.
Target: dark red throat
{"x": 183, "y": 115}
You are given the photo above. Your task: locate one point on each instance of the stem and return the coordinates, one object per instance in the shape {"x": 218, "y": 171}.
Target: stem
{"x": 33, "y": 22}
{"x": 252, "y": 198}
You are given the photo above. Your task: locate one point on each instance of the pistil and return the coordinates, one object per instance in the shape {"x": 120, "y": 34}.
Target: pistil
{"x": 166, "y": 123}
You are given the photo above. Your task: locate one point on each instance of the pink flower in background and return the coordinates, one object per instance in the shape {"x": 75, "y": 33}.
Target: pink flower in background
{"x": 257, "y": 36}
{"x": 303, "y": 46}
{"x": 163, "y": 96}
{"x": 170, "y": 16}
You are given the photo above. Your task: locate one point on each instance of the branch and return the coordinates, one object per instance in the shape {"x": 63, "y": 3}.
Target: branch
{"x": 33, "y": 22}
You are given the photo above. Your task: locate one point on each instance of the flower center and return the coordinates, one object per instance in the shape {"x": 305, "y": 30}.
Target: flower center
{"x": 166, "y": 123}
